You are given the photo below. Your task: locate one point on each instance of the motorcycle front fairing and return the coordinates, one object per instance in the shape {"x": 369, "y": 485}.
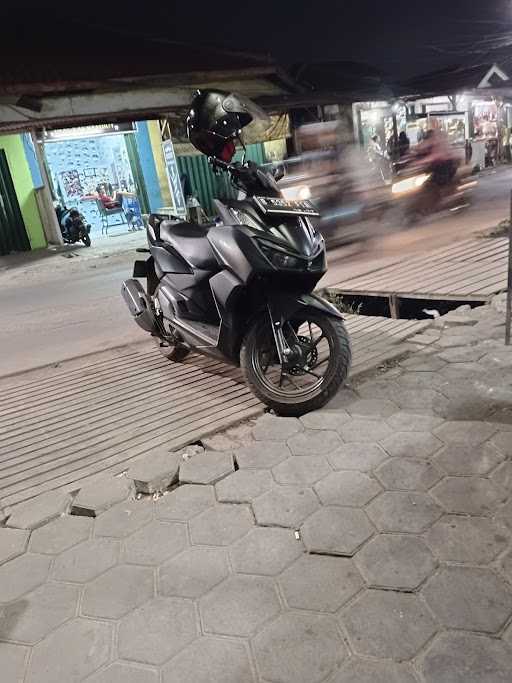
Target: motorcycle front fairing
{"x": 269, "y": 264}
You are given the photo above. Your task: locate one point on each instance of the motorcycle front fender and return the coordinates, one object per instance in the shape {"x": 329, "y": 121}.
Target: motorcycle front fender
{"x": 284, "y": 306}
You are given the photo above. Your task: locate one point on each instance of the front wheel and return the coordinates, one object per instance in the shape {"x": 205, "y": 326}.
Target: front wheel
{"x": 86, "y": 239}
{"x": 317, "y": 364}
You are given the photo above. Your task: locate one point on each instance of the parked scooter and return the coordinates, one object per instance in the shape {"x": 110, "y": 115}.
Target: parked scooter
{"x": 242, "y": 289}
{"x": 73, "y": 225}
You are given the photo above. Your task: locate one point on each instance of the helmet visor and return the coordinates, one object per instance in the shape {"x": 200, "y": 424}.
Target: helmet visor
{"x": 252, "y": 118}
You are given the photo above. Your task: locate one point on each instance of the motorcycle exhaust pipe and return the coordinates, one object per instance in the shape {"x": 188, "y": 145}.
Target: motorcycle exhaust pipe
{"x": 138, "y": 304}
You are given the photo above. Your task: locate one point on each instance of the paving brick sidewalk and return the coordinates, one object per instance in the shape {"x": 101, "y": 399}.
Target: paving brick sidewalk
{"x": 370, "y": 542}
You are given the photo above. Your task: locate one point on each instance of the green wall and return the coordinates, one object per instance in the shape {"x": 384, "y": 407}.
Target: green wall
{"x": 22, "y": 179}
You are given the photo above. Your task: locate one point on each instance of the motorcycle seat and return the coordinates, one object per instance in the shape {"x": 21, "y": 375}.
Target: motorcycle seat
{"x": 190, "y": 240}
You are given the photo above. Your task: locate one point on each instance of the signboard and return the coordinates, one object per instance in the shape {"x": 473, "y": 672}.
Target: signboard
{"x": 173, "y": 176}
{"x": 89, "y": 131}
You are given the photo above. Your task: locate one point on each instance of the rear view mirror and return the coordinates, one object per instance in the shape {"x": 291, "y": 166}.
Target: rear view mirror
{"x": 278, "y": 173}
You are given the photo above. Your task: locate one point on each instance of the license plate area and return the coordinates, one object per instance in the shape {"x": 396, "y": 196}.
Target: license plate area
{"x": 279, "y": 205}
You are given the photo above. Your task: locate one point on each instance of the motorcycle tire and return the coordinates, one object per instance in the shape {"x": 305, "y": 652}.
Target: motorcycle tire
{"x": 86, "y": 239}
{"x": 333, "y": 329}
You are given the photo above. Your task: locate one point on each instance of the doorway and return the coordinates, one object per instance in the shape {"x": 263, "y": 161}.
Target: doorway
{"x": 13, "y": 235}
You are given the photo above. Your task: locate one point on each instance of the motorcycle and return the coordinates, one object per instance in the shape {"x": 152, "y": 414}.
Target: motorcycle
{"x": 418, "y": 191}
{"x": 241, "y": 289}
{"x": 73, "y": 226}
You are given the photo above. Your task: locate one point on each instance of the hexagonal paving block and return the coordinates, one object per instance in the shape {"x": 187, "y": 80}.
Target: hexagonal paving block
{"x": 413, "y": 422}
{"x": 222, "y": 525}
{"x": 71, "y": 653}
{"x": 320, "y": 583}
{"x": 469, "y": 598}
{"x": 503, "y": 442}
{"x": 502, "y": 476}
{"x": 357, "y": 456}
{"x": 313, "y": 442}
{"x": 347, "y": 488}
{"x": 411, "y": 445}
{"x": 395, "y": 561}
{"x": 155, "y": 471}
{"x": 101, "y": 494}
{"x": 410, "y": 511}
{"x": 13, "y": 542}
{"x": 157, "y": 631}
{"x": 455, "y": 459}
{"x": 193, "y": 573}
{"x": 239, "y": 606}
{"x": 505, "y": 565}
{"x": 210, "y": 659}
{"x": 265, "y": 551}
{"x": 22, "y": 575}
{"x": 37, "y": 511}
{"x": 407, "y": 474}
{"x": 185, "y": 502}
{"x": 13, "y": 660}
{"x": 123, "y": 519}
{"x": 372, "y": 408}
{"x": 124, "y": 673}
{"x": 301, "y": 470}
{"x": 504, "y": 514}
{"x": 418, "y": 400}
{"x": 423, "y": 363}
{"x": 271, "y": 428}
{"x": 207, "y": 468}
{"x": 299, "y": 648}
{"x": 468, "y": 495}
{"x": 243, "y": 486}
{"x": 467, "y": 658}
{"x": 30, "y": 619}
{"x": 86, "y": 561}
{"x": 388, "y": 625}
{"x": 476, "y": 540}
{"x": 336, "y": 531}
{"x": 324, "y": 419}
{"x": 262, "y": 455}
{"x": 465, "y": 433}
{"x": 285, "y": 506}
{"x": 357, "y": 670}
{"x": 117, "y": 592}
{"x": 364, "y": 431}
{"x": 381, "y": 388}
{"x": 462, "y": 355}
{"x": 155, "y": 543}
{"x": 61, "y": 534}
{"x": 421, "y": 380}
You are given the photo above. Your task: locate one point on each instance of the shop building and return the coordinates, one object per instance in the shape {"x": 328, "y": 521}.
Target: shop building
{"x": 63, "y": 103}
{"x": 21, "y": 226}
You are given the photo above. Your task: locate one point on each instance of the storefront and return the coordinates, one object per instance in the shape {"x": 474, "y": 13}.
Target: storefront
{"x": 381, "y": 119}
{"x": 114, "y": 173}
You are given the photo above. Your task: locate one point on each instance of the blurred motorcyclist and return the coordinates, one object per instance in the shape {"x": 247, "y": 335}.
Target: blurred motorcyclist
{"x": 435, "y": 155}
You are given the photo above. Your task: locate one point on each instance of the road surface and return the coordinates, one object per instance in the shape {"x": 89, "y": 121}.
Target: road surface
{"x": 53, "y": 308}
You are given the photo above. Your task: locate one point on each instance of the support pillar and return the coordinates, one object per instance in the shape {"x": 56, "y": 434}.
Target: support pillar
{"x": 51, "y": 225}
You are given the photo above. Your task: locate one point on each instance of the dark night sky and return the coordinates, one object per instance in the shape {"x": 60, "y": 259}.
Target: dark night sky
{"x": 403, "y": 37}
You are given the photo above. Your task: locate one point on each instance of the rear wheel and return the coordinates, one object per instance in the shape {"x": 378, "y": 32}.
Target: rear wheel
{"x": 316, "y": 367}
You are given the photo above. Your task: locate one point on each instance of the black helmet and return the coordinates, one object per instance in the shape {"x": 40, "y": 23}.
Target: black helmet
{"x": 216, "y": 119}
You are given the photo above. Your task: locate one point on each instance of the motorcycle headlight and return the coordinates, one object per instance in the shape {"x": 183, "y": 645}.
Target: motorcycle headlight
{"x": 410, "y": 184}
{"x": 280, "y": 259}
{"x": 301, "y": 192}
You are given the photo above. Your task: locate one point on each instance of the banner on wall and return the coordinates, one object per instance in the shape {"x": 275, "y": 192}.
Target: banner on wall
{"x": 173, "y": 176}
{"x": 89, "y": 131}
